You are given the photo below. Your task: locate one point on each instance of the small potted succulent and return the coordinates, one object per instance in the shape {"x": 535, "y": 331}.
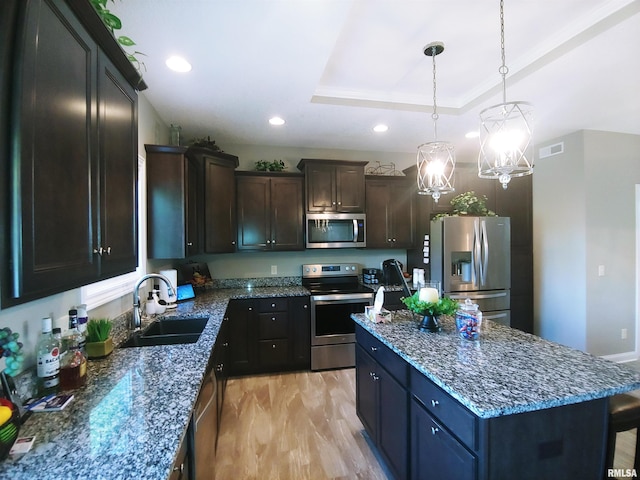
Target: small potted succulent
{"x": 99, "y": 343}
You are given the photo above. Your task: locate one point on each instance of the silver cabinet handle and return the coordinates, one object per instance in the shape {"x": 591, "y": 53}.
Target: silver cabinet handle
{"x": 374, "y": 349}
{"x": 434, "y": 430}
{"x": 273, "y": 346}
{"x": 273, "y": 319}
{"x": 435, "y": 403}
{"x": 189, "y": 244}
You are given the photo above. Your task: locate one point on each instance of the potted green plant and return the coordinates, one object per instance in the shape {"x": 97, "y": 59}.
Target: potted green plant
{"x": 430, "y": 311}
{"x": 265, "y": 166}
{"x": 99, "y": 343}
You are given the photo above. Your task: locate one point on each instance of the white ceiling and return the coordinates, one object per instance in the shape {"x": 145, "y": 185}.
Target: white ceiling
{"x": 333, "y": 69}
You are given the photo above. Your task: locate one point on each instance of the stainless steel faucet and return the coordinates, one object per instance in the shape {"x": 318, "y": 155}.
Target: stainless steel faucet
{"x": 136, "y": 321}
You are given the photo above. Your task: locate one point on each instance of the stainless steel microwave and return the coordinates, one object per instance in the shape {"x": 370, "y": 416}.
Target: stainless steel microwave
{"x": 336, "y": 230}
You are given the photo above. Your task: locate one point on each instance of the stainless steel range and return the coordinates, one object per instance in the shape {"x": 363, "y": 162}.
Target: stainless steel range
{"x": 336, "y": 293}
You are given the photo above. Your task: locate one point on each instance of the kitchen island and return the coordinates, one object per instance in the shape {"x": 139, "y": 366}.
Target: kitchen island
{"x": 130, "y": 418}
{"x": 511, "y": 405}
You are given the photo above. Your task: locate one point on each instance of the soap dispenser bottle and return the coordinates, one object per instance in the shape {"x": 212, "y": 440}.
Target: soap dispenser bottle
{"x": 150, "y": 306}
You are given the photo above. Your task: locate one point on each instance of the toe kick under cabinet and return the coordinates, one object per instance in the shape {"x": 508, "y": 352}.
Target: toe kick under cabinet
{"x": 423, "y": 433}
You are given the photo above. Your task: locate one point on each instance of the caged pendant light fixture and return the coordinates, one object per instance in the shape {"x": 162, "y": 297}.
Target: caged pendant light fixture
{"x": 436, "y": 160}
{"x": 506, "y": 133}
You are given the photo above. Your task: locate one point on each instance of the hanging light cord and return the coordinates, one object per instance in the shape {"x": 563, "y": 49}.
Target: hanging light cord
{"x": 503, "y": 70}
{"x": 434, "y": 115}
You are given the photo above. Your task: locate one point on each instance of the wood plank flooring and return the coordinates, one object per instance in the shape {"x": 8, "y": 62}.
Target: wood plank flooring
{"x": 303, "y": 426}
{"x": 294, "y": 426}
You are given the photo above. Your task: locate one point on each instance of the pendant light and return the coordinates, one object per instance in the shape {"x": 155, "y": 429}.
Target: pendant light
{"x": 436, "y": 160}
{"x": 506, "y": 132}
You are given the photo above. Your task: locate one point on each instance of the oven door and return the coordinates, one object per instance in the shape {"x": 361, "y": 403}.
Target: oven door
{"x": 331, "y": 321}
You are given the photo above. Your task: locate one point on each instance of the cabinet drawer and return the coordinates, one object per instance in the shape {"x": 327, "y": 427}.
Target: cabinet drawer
{"x": 273, "y": 353}
{"x": 386, "y": 357}
{"x": 273, "y": 325}
{"x": 453, "y": 415}
{"x": 273, "y": 305}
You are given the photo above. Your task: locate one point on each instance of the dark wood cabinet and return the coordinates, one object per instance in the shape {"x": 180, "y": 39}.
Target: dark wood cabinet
{"x": 242, "y": 337}
{"x": 270, "y": 214}
{"x": 300, "y": 327}
{"x": 268, "y": 335}
{"x": 190, "y": 201}
{"x": 73, "y": 171}
{"x": 173, "y": 223}
{"x": 333, "y": 185}
{"x": 446, "y": 458}
{"x": 273, "y": 334}
{"x": 390, "y": 205}
{"x": 382, "y": 400}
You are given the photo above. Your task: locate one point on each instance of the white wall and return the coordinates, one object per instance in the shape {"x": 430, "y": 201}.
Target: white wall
{"x": 584, "y": 217}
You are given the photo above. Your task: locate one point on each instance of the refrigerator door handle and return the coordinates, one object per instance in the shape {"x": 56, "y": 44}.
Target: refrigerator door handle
{"x": 477, "y": 296}
{"x": 476, "y": 252}
{"x": 485, "y": 252}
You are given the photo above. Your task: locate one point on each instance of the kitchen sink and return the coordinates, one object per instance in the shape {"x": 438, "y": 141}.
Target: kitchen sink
{"x": 169, "y": 331}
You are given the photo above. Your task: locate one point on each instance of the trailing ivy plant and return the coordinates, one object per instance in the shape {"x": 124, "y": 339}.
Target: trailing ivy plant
{"x": 113, "y": 23}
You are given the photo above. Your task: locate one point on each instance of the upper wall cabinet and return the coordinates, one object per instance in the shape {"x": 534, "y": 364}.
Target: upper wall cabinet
{"x": 333, "y": 185}
{"x": 390, "y": 212}
{"x": 190, "y": 201}
{"x": 270, "y": 211}
{"x": 71, "y": 167}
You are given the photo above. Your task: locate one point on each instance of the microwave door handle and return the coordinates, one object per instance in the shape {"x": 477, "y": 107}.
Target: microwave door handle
{"x": 355, "y": 230}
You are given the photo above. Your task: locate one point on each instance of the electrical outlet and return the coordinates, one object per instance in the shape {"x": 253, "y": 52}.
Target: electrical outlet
{"x": 274, "y": 269}
{"x": 623, "y": 334}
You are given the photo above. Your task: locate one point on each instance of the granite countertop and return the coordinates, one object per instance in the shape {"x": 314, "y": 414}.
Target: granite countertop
{"x": 129, "y": 419}
{"x": 507, "y": 371}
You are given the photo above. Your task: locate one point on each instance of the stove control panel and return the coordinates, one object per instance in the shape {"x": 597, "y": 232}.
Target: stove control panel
{"x": 329, "y": 270}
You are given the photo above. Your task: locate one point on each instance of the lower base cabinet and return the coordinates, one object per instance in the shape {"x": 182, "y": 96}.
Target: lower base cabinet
{"x": 268, "y": 335}
{"x": 381, "y": 403}
{"x": 423, "y": 433}
{"x": 446, "y": 457}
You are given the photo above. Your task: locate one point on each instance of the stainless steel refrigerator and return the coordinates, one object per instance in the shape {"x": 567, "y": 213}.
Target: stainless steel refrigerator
{"x": 471, "y": 257}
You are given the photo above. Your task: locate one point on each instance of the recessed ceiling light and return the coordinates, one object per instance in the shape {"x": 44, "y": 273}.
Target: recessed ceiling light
{"x": 474, "y": 134}
{"x": 178, "y": 64}
{"x": 276, "y": 121}
{"x": 380, "y": 128}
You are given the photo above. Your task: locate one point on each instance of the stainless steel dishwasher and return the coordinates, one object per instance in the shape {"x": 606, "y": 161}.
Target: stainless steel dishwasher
{"x": 205, "y": 429}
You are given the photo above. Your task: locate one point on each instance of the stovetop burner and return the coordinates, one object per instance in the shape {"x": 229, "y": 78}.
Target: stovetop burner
{"x": 332, "y": 278}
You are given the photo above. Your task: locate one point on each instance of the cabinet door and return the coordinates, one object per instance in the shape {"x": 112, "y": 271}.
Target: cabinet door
{"x": 367, "y": 392}
{"x": 300, "y": 324}
{"x": 254, "y": 219}
{"x": 378, "y": 215}
{"x": 393, "y": 427}
{"x": 435, "y": 454}
{"x": 171, "y": 218}
{"x": 242, "y": 337}
{"x": 402, "y": 214}
{"x": 220, "y": 207}
{"x": 286, "y": 213}
{"x": 55, "y": 154}
{"x": 117, "y": 109}
{"x": 349, "y": 181}
{"x": 321, "y": 188}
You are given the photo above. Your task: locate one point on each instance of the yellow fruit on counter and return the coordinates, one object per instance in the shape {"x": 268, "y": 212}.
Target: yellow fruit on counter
{"x": 5, "y": 414}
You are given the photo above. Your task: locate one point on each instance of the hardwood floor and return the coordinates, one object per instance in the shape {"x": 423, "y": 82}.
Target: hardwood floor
{"x": 303, "y": 426}
{"x": 294, "y": 426}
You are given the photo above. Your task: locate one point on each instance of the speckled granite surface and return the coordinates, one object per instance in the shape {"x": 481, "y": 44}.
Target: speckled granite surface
{"x": 507, "y": 371}
{"x": 128, "y": 420}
